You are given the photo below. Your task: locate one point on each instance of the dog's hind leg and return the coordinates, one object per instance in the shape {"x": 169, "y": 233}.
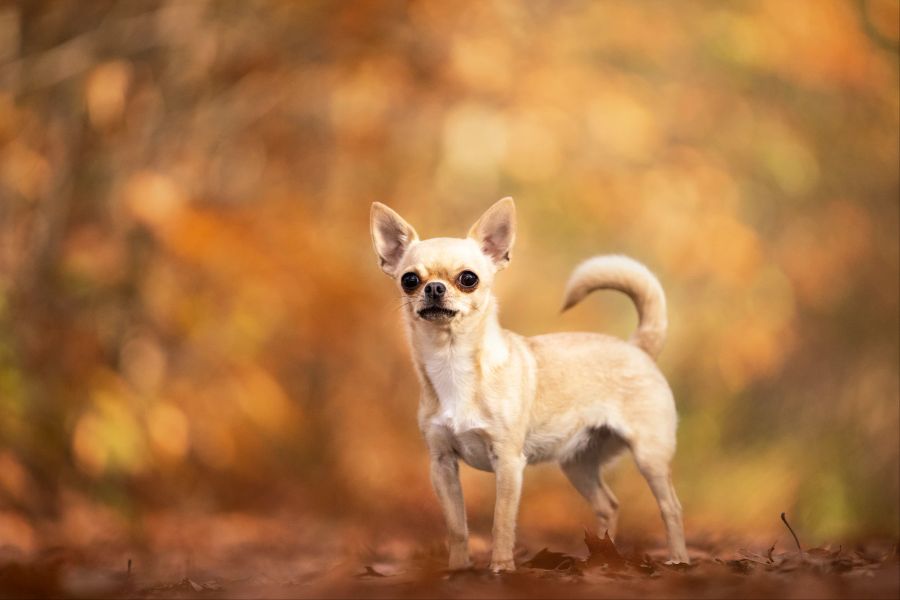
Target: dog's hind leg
{"x": 658, "y": 474}
{"x": 584, "y": 471}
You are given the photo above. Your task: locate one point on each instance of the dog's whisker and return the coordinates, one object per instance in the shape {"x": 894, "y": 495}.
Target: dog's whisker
{"x": 405, "y": 302}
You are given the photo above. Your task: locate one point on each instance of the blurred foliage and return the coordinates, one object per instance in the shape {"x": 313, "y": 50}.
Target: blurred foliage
{"x": 191, "y": 315}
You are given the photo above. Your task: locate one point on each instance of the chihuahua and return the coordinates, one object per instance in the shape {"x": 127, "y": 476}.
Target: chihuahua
{"x": 500, "y": 401}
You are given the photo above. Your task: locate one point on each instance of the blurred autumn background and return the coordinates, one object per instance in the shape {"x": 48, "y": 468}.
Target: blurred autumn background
{"x": 197, "y": 346}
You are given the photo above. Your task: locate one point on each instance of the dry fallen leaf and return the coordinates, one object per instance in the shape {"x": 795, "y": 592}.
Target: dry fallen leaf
{"x": 554, "y": 561}
{"x": 603, "y": 551}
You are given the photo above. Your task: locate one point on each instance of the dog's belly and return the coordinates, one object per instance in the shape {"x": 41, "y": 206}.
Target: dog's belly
{"x": 474, "y": 449}
{"x": 542, "y": 447}
{"x": 603, "y": 440}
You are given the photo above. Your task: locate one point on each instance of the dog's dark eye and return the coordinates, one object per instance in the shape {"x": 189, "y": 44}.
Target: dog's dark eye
{"x": 467, "y": 279}
{"x": 409, "y": 281}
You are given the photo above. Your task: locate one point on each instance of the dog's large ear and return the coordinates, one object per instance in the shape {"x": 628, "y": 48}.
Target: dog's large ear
{"x": 495, "y": 231}
{"x": 391, "y": 236}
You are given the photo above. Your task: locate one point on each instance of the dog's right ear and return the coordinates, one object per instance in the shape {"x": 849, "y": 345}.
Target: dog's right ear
{"x": 391, "y": 236}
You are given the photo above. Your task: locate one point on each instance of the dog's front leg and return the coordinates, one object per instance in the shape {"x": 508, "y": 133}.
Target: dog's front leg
{"x": 445, "y": 479}
{"x": 509, "y": 463}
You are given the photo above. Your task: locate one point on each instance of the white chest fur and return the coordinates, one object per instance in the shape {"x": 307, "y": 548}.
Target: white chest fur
{"x": 454, "y": 378}
{"x": 453, "y": 375}
{"x": 462, "y": 369}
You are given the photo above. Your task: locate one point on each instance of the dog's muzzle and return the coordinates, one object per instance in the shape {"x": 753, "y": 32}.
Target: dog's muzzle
{"x": 436, "y": 313}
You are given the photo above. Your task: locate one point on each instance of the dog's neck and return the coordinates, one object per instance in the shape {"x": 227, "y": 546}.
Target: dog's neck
{"x": 456, "y": 357}
{"x": 475, "y": 339}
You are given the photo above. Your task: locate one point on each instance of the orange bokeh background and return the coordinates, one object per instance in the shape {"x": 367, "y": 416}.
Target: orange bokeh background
{"x": 192, "y": 320}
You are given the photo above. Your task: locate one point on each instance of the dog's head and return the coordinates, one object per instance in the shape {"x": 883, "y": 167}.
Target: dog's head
{"x": 444, "y": 280}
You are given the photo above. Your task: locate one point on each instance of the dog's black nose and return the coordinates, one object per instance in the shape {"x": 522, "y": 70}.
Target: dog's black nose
{"x": 435, "y": 290}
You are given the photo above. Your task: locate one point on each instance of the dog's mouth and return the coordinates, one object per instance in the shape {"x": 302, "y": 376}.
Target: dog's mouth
{"x": 437, "y": 313}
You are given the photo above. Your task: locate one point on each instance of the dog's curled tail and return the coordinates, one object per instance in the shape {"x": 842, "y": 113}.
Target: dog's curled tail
{"x": 627, "y": 275}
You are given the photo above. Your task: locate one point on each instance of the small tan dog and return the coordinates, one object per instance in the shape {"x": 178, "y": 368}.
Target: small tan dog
{"x": 500, "y": 401}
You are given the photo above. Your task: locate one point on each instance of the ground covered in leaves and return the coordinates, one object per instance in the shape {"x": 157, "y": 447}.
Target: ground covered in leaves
{"x": 185, "y": 561}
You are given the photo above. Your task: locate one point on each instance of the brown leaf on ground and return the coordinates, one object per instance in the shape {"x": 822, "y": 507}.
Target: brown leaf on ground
{"x": 370, "y": 572}
{"x": 553, "y": 561}
{"x": 603, "y": 551}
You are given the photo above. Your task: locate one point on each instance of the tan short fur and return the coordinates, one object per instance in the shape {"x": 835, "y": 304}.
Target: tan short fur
{"x": 500, "y": 401}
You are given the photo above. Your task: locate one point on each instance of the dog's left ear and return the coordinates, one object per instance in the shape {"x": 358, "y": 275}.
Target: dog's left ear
{"x": 495, "y": 231}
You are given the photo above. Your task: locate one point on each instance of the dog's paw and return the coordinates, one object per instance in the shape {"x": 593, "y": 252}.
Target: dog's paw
{"x": 500, "y": 566}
